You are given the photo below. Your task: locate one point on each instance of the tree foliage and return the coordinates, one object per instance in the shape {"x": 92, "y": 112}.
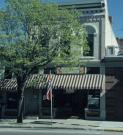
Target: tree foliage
{"x": 33, "y": 34}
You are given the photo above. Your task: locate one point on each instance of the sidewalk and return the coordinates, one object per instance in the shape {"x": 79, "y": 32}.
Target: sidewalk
{"x": 64, "y": 124}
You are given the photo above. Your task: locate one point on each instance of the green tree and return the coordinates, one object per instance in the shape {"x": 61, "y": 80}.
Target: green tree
{"x": 33, "y": 34}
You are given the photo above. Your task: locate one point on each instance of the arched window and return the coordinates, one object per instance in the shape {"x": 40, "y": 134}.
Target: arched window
{"x": 90, "y": 38}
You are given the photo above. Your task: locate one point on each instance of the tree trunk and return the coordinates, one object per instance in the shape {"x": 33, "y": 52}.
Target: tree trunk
{"x": 21, "y": 86}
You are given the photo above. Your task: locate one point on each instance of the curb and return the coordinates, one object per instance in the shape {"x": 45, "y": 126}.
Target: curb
{"x": 51, "y": 127}
{"x": 48, "y": 127}
{"x": 113, "y": 130}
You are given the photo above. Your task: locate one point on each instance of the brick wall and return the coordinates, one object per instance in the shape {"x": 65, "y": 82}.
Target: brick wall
{"x": 114, "y": 94}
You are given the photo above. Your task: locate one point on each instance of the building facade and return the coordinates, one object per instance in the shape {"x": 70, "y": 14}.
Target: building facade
{"x": 88, "y": 91}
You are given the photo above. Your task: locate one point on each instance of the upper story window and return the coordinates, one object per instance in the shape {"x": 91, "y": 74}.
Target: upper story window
{"x": 113, "y": 51}
{"x": 90, "y": 38}
{"x": 110, "y": 50}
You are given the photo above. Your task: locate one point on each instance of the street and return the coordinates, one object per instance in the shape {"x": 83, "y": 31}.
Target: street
{"x": 34, "y": 131}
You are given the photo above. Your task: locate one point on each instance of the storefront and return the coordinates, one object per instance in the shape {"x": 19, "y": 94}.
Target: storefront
{"x": 8, "y": 99}
{"x": 73, "y": 95}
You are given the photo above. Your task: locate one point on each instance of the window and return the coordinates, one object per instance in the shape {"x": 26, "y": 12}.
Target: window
{"x": 110, "y": 50}
{"x": 93, "y": 103}
{"x": 90, "y": 38}
{"x": 94, "y": 100}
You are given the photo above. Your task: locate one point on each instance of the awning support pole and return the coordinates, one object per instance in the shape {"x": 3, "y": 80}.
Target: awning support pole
{"x": 51, "y": 104}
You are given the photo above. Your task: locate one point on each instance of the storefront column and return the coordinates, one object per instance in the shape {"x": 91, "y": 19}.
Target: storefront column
{"x": 3, "y": 105}
{"x": 40, "y": 103}
{"x": 102, "y": 97}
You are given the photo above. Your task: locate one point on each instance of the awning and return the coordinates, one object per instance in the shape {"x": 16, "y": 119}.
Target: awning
{"x": 8, "y": 85}
{"x": 65, "y": 82}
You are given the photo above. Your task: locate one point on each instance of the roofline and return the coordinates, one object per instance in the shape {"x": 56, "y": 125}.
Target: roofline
{"x": 80, "y": 5}
{"x": 113, "y": 59}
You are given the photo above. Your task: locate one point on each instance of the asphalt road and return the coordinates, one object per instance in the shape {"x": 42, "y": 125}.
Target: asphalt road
{"x": 22, "y": 131}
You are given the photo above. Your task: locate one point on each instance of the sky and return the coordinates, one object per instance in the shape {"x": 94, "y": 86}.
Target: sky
{"x": 115, "y": 10}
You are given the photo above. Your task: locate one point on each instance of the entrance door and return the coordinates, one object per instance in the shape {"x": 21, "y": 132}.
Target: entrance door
{"x": 69, "y": 105}
{"x": 79, "y": 103}
{"x": 31, "y": 102}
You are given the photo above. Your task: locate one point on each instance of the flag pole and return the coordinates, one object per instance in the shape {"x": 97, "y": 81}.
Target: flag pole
{"x": 51, "y": 103}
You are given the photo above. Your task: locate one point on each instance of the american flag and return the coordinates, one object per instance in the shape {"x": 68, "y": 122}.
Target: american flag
{"x": 49, "y": 94}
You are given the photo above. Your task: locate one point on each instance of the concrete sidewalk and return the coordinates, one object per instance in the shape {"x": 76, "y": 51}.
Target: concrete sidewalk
{"x": 64, "y": 124}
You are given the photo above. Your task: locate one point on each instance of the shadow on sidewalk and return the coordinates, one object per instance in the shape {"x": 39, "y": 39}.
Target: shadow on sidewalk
{"x": 43, "y": 122}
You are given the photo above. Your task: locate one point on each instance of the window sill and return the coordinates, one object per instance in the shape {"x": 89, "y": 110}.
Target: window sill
{"x": 87, "y": 57}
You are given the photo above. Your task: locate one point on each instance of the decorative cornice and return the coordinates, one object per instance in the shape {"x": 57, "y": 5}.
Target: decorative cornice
{"x": 92, "y": 18}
